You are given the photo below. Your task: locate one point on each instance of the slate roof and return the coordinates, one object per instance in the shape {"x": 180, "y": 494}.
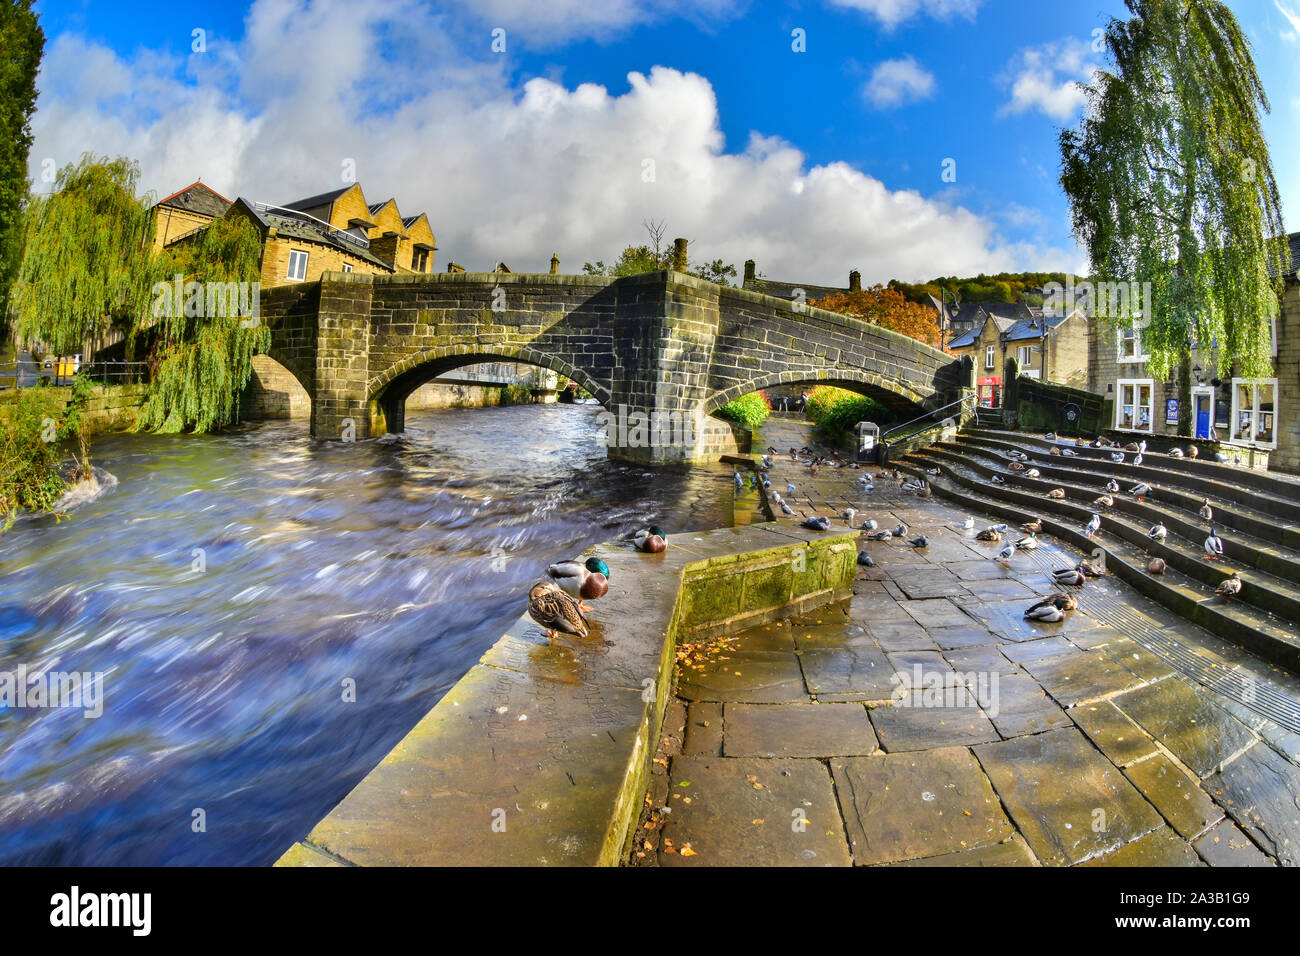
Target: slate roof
{"x": 199, "y": 198}
{"x": 311, "y": 202}
{"x": 293, "y": 228}
{"x": 965, "y": 340}
{"x": 1032, "y": 328}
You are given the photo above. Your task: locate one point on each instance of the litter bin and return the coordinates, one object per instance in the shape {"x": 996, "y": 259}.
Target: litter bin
{"x": 868, "y": 442}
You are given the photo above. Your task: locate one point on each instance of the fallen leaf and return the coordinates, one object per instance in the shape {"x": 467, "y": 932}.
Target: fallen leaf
{"x": 758, "y": 822}
{"x": 686, "y": 850}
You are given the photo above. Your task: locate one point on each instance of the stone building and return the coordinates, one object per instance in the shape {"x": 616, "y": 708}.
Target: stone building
{"x": 336, "y": 231}
{"x": 1052, "y": 347}
{"x": 1259, "y": 416}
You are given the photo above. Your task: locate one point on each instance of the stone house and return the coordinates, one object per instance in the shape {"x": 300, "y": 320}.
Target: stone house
{"x": 335, "y": 231}
{"x": 1260, "y": 416}
{"x": 1053, "y": 347}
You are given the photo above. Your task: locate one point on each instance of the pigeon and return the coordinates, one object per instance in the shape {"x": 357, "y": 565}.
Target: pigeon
{"x": 1071, "y": 577}
{"x": 1221, "y": 458}
{"x": 1028, "y": 543}
{"x": 869, "y": 525}
{"x": 866, "y": 560}
{"x": 1206, "y": 512}
{"x": 789, "y": 488}
{"x": 1142, "y": 447}
{"x": 969, "y": 523}
{"x": 740, "y": 481}
{"x": 1173, "y": 453}
{"x": 1033, "y": 473}
{"x": 933, "y": 471}
{"x": 1117, "y": 458}
{"x": 785, "y": 508}
{"x": 766, "y": 484}
{"x": 998, "y": 480}
{"x": 817, "y": 523}
{"x": 1069, "y": 453}
{"x": 1057, "y": 493}
{"x": 1213, "y": 546}
{"x": 900, "y": 531}
{"x": 1137, "y": 459}
{"x": 1050, "y": 436}
{"x": 1230, "y": 588}
{"x": 880, "y": 535}
{"x": 1158, "y": 532}
{"x": 1157, "y": 566}
{"x": 1140, "y": 491}
{"x": 1113, "y": 486}
{"x": 920, "y": 541}
{"x": 767, "y": 463}
{"x": 1104, "y": 501}
{"x": 1093, "y": 527}
{"x": 849, "y": 515}
{"x": 1007, "y": 553}
{"x": 999, "y": 528}
{"x": 753, "y": 481}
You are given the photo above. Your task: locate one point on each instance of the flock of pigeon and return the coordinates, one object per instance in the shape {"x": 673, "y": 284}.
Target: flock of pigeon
{"x": 559, "y": 604}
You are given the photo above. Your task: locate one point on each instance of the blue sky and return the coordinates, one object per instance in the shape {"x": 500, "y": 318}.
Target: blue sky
{"x": 811, "y": 162}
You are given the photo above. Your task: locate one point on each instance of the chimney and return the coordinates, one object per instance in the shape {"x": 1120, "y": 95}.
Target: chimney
{"x": 679, "y": 255}
{"x": 749, "y": 271}
{"x": 555, "y": 263}
{"x": 855, "y": 281}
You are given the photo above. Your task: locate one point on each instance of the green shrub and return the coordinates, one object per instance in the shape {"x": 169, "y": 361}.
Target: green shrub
{"x": 30, "y": 462}
{"x": 837, "y": 411}
{"x": 516, "y": 395}
{"x": 749, "y": 410}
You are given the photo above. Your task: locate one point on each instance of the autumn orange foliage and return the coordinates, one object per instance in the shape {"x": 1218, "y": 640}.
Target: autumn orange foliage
{"x": 888, "y": 309}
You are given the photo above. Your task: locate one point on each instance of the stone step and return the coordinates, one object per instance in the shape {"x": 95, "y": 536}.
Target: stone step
{"x": 1251, "y": 627}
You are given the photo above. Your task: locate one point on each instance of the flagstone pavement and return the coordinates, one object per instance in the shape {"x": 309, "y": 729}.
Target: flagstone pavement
{"x": 925, "y": 722}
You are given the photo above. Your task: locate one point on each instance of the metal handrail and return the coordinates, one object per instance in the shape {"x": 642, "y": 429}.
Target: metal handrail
{"x": 13, "y": 374}
{"x": 935, "y": 411}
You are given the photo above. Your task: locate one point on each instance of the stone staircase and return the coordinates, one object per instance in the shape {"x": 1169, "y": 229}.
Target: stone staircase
{"x": 1256, "y": 514}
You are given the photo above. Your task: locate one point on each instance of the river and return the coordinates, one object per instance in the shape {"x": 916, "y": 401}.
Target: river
{"x": 231, "y": 586}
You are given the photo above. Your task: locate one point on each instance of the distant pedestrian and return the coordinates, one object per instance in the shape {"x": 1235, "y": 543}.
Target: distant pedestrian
{"x": 803, "y": 402}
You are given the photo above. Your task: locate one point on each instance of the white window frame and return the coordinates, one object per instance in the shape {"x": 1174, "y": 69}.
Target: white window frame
{"x": 990, "y": 357}
{"x": 1025, "y": 355}
{"x": 1254, "y": 411}
{"x": 347, "y": 267}
{"x": 1136, "y": 383}
{"x": 1121, "y": 355}
{"x": 297, "y": 256}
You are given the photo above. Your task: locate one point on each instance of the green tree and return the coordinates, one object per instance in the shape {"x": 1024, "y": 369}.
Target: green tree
{"x": 22, "y": 43}
{"x": 1169, "y": 182}
{"x": 88, "y": 259}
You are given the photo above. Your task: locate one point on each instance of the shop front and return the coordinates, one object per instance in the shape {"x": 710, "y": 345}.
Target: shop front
{"x": 990, "y": 391}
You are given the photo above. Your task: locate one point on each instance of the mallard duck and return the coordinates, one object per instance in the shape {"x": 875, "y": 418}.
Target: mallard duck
{"x": 1091, "y": 570}
{"x": 1206, "y": 512}
{"x": 1028, "y": 543}
{"x": 1033, "y": 527}
{"x": 1050, "y": 436}
{"x": 1132, "y": 446}
{"x": 1193, "y": 451}
{"x": 585, "y": 580}
{"x": 651, "y": 539}
{"x": 1093, "y": 526}
{"x": 1157, "y": 566}
{"x": 1069, "y": 453}
{"x": 1033, "y": 473}
{"x": 923, "y": 492}
{"x": 989, "y": 534}
{"x": 1057, "y": 493}
{"x": 1018, "y": 455}
{"x": 1055, "y": 451}
{"x": 1230, "y": 588}
{"x": 1158, "y": 532}
{"x": 1015, "y": 466}
{"x": 1140, "y": 491}
{"x": 1051, "y": 609}
{"x": 1213, "y": 546}
{"x": 1071, "y": 577}
{"x": 933, "y": 471}
{"x": 556, "y": 611}
{"x": 1105, "y": 501}
{"x": 998, "y": 480}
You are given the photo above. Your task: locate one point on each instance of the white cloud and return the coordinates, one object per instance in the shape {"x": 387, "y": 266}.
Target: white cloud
{"x": 891, "y": 13}
{"x": 537, "y": 24}
{"x": 1292, "y": 17}
{"x": 895, "y": 82}
{"x": 505, "y": 173}
{"x": 1044, "y": 79}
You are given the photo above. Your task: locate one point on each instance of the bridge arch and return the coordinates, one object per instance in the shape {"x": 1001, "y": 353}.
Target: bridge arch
{"x": 896, "y": 396}
{"x": 387, "y": 392}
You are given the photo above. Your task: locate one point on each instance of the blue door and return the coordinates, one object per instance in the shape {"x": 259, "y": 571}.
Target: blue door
{"x": 1203, "y": 409}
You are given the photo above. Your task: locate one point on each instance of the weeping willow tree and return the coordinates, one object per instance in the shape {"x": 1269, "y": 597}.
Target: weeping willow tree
{"x": 1169, "y": 182}
{"x": 206, "y": 329}
{"x": 88, "y": 259}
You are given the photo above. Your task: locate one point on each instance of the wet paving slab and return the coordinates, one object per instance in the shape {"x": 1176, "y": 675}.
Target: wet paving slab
{"x": 925, "y": 722}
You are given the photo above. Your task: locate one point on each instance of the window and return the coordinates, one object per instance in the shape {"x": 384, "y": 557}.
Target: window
{"x": 1254, "y": 411}
{"x": 347, "y": 267}
{"x": 1025, "y": 355}
{"x": 990, "y": 357}
{"x": 419, "y": 259}
{"x": 297, "y": 265}
{"x": 1131, "y": 346}
{"x": 1133, "y": 404}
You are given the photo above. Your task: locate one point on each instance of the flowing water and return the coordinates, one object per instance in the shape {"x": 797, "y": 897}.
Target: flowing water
{"x": 231, "y": 586}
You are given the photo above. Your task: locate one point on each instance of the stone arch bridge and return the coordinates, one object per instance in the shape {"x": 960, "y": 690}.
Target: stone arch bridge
{"x": 661, "y": 344}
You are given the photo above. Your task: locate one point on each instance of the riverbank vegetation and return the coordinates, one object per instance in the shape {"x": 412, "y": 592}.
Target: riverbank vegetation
{"x": 887, "y": 308}
{"x": 837, "y": 411}
{"x": 34, "y": 432}
{"x": 749, "y": 410}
